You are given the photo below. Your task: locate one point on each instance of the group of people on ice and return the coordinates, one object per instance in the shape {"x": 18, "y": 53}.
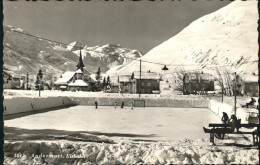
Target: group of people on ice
{"x": 122, "y": 104}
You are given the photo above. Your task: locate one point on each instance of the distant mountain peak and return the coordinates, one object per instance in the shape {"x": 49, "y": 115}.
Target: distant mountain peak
{"x": 74, "y": 46}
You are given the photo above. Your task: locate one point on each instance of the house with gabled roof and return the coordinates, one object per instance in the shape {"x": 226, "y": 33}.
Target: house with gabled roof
{"x": 148, "y": 84}
{"x": 250, "y": 85}
{"x": 74, "y": 81}
{"x": 14, "y": 81}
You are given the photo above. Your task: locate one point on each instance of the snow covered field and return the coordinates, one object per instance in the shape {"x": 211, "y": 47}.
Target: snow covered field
{"x": 83, "y": 134}
{"x": 178, "y": 152}
{"x": 151, "y": 123}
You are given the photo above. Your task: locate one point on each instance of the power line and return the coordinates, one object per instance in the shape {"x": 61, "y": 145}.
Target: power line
{"x": 81, "y": 47}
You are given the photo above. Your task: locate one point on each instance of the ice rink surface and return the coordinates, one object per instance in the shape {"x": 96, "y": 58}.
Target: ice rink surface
{"x": 150, "y": 123}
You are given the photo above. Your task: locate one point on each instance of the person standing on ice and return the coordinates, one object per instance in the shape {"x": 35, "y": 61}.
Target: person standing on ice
{"x": 96, "y": 104}
{"x": 122, "y": 105}
{"x": 115, "y": 104}
{"x": 132, "y": 105}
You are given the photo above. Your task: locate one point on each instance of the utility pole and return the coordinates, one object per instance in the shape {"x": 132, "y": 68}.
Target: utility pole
{"x": 27, "y": 80}
{"x": 39, "y": 86}
{"x": 222, "y": 93}
{"x": 140, "y": 78}
{"x": 235, "y": 94}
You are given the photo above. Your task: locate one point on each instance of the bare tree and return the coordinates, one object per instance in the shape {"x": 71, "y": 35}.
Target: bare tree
{"x": 179, "y": 80}
{"x": 225, "y": 81}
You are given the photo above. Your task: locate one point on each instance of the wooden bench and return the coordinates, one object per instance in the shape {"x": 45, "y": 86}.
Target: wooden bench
{"x": 250, "y": 125}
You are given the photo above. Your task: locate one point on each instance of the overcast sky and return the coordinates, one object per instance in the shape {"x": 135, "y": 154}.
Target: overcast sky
{"x": 137, "y": 25}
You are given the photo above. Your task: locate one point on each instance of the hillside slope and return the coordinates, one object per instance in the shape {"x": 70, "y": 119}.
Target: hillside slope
{"x": 23, "y": 53}
{"x": 226, "y": 39}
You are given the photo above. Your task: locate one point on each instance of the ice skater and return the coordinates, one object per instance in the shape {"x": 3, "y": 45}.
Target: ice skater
{"x": 115, "y": 104}
{"x": 96, "y": 104}
{"x": 132, "y": 105}
{"x": 122, "y": 105}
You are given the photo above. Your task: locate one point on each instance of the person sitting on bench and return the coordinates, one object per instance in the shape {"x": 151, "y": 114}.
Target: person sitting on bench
{"x": 220, "y": 132}
{"x": 224, "y": 118}
{"x": 250, "y": 104}
{"x": 233, "y": 120}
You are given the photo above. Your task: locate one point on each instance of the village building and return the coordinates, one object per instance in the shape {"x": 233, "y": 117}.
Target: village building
{"x": 113, "y": 87}
{"x": 13, "y": 81}
{"x": 78, "y": 84}
{"x": 148, "y": 84}
{"x": 64, "y": 80}
{"x": 74, "y": 81}
{"x": 7, "y": 80}
{"x": 249, "y": 85}
{"x": 126, "y": 84}
{"x": 195, "y": 83}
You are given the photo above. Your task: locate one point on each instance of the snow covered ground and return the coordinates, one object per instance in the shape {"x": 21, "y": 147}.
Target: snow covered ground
{"x": 83, "y": 134}
{"x": 178, "y": 152}
{"x": 150, "y": 123}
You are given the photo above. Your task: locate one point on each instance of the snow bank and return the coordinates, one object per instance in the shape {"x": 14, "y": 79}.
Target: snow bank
{"x": 149, "y": 102}
{"x": 179, "y": 152}
{"x": 108, "y": 99}
{"x": 218, "y": 108}
{"x": 25, "y": 104}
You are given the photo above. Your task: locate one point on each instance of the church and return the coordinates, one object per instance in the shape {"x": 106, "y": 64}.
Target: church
{"x": 73, "y": 81}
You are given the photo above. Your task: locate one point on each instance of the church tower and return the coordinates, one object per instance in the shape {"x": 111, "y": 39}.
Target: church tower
{"x": 80, "y": 64}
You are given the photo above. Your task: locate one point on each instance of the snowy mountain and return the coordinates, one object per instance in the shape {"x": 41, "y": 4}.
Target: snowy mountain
{"x": 74, "y": 46}
{"x": 107, "y": 56}
{"x": 23, "y": 53}
{"x": 226, "y": 39}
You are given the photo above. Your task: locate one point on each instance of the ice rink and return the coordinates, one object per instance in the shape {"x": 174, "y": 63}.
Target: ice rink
{"x": 150, "y": 123}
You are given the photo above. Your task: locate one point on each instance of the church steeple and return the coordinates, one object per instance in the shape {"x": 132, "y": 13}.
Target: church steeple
{"x": 80, "y": 64}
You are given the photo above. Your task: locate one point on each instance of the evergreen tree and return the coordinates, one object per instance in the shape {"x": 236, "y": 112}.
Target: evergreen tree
{"x": 108, "y": 80}
{"x": 132, "y": 76}
{"x": 98, "y": 76}
{"x": 39, "y": 77}
{"x": 80, "y": 64}
{"x": 104, "y": 81}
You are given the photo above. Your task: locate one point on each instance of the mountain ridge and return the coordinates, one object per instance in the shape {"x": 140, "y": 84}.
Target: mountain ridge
{"x": 23, "y": 53}
{"x": 226, "y": 37}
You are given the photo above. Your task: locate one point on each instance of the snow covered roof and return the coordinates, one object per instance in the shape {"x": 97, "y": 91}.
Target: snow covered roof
{"x": 250, "y": 78}
{"x": 79, "y": 71}
{"x": 65, "y": 78}
{"x": 78, "y": 83}
{"x": 146, "y": 75}
{"x": 124, "y": 78}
